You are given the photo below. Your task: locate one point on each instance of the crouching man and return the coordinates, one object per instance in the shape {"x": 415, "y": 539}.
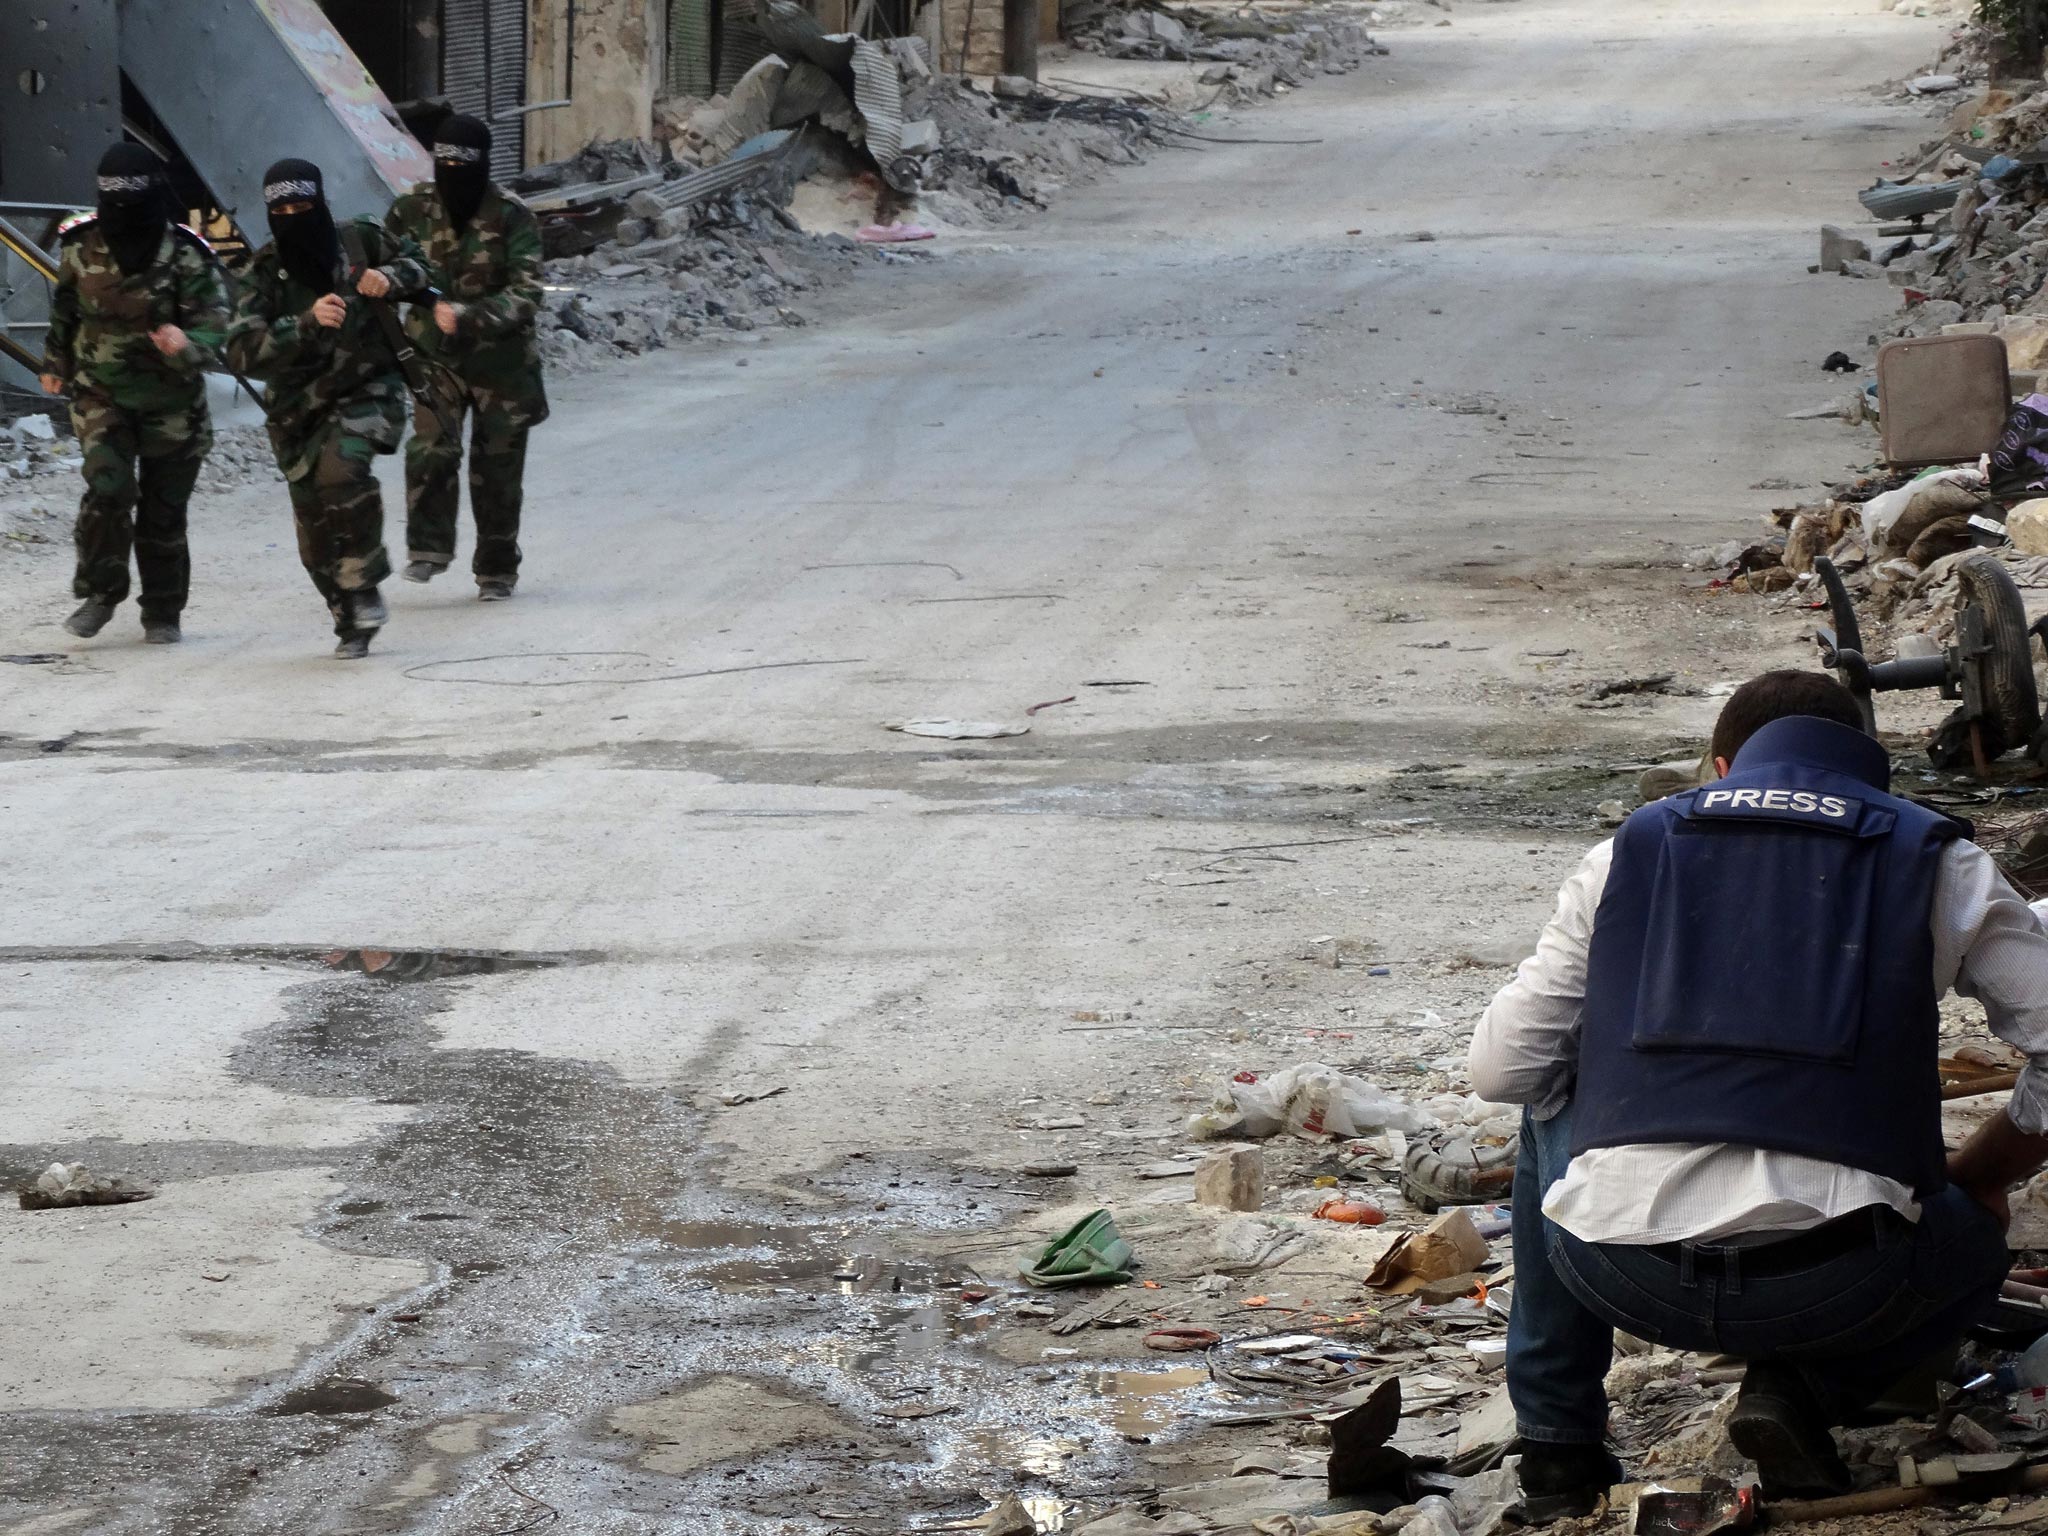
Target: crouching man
{"x": 1726, "y": 1043}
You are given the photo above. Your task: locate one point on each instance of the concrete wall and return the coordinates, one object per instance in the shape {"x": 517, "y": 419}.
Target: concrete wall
{"x": 618, "y": 57}
{"x": 985, "y": 44}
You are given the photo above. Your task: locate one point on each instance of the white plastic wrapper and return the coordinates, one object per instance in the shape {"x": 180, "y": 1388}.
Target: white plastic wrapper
{"x": 1311, "y": 1101}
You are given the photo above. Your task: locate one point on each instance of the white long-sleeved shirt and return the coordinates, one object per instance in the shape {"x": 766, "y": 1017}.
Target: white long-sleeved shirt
{"x": 1988, "y": 944}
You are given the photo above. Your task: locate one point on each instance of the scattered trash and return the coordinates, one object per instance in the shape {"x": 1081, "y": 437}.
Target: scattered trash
{"x": 1049, "y": 1170}
{"x": 957, "y": 730}
{"x": 1311, "y": 1100}
{"x": 1838, "y": 362}
{"x": 737, "y": 1097}
{"x": 62, "y": 1185}
{"x": 34, "y": 659}
{"x": 893, "y": 234}
{"x": 1048, "y": 704}
{"x": 1358, "y": 1212}
{"x": 1459, "y": 1169}
{"x": 1091, "y": 1252}
{"x": 1660, "y": 683}
{"x": 1181, "y": 1340}
{"x": 1693, "y": 1506}
{"x": 1010, "y": 1518}
{"x": 1449, "y": 1245}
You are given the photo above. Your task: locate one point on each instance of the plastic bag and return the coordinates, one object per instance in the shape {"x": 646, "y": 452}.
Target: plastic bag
{"x": 1311, "y": 1100}
{"x": 1881, "y": 512}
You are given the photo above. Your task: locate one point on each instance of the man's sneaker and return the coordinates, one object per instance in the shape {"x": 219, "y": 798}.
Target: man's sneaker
{"x": 367, "y": 609}
{"x": 90, "y": 618}
{"x": 353, "y": 646}
{"x": 1565, "y": 1482}
{"x": 493, "y": 591}
{"x": 1779, "y": 1425}
{"x": 161, "y": 632}
{"x": 422, "y": 571}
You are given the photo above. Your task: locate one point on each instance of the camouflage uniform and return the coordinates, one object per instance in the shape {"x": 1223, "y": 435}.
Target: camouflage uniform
{"x": 131, "y": 405}
{"x": 336, "y": 401}
{"x": 490, "y": 271}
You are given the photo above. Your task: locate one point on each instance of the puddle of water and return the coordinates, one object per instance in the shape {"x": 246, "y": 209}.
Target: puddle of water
{"x": 1037, "y": 1455}
{"x": 340, "y": 1394}
{"x": 1142, "y": 1403}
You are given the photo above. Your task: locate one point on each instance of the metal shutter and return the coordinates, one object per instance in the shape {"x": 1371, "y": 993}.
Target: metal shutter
{"x": 688, "y": 69}
{"x": 741, "y": 44}
{"x": 488, "y": 88}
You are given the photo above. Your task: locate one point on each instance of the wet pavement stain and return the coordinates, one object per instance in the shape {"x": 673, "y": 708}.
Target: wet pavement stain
{"x": 587, "y": 1267}
{"x": 1279, "y": 770}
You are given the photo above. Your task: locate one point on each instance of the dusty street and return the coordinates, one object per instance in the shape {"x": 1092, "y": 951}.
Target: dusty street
{"x": 1325, "y": 528}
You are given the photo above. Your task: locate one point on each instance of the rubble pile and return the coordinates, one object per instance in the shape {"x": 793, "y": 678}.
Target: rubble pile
{"x": 1252, "y": 53}
{"x": 739, "y": 268}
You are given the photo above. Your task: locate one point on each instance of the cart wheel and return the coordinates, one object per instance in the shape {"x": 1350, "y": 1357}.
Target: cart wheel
{"x": 2012, "y": 709}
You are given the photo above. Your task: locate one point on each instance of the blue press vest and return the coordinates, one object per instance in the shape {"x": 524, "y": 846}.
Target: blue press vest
{"x": 1762, "y": 964}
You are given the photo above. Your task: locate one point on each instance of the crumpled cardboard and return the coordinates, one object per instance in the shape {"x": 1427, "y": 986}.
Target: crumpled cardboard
{"x": 1448, "y": 1246}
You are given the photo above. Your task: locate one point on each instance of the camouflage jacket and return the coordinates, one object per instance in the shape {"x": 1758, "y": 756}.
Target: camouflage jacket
{"x": 100, "y": 319}
{"x": 322, "y": 380}
{"x": 490, "y": 272}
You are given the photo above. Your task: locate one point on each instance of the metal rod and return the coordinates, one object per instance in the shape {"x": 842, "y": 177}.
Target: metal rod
{"x": 536, "y": 106}
{"x": 569, "y": 60}
{"x": 490, "y": 63}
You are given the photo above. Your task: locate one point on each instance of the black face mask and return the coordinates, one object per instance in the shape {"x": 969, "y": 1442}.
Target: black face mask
{"x": 462, "y": 166}
{"x": 306, "y": 242}
{"x": 134, "y": 206}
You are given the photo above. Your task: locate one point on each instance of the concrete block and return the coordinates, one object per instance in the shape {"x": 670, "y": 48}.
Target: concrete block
{"x": 2027, "y": 526}
{"x": 1234, "y": 1180}
{"x": 1837, "y": 245}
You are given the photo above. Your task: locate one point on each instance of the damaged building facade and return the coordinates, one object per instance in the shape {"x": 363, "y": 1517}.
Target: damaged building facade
{"x": 555, "y": 75}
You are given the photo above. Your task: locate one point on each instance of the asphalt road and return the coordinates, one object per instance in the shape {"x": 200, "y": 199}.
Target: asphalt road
{"x": 1320, "y": 528}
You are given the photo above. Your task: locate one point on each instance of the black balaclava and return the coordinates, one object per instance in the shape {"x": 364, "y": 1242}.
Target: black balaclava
{"x": 134, "y": 205}
{"x": 462, "y": 166}
{"x": 306, "y": 242}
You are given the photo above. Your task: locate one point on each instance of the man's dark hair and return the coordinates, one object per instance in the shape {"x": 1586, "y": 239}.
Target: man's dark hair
{"x": 1775, "y": 695}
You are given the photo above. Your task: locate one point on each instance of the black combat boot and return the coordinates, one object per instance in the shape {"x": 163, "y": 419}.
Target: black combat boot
{"x": 1780, "y": 1425}
{"x": 1565, "y": 1482}
{"x": 161, "y": 632}
{"x": 89, "y": 618}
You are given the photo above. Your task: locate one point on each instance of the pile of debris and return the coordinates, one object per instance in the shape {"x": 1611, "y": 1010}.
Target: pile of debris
{"x": 1253, "y": 53}
{"x": 1343, "y": 1276}
{"x": 1961, "y": 228}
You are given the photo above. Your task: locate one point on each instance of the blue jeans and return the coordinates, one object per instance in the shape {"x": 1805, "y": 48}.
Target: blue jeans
{"x": 1852, "y": 1324}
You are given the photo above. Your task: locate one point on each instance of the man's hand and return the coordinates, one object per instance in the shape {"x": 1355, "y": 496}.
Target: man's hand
{"x": 373, "y": 284}
{"x": 330, "y": 311}
{"x": 170, "y": 340}
{"x": 1994, "y": 1159}
{"x": 52, "y": 385}
{"x": 446, "y": 317}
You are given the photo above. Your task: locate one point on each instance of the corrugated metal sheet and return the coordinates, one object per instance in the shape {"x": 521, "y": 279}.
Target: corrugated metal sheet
{"x": 483, "y": 72}
{"x": 740, "y": 43}
{"x": 878, "y": 94}
{"x": 755, "y": 160}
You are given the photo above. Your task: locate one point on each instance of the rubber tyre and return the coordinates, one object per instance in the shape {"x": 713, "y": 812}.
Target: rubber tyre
{"x": 2012, "y": 709}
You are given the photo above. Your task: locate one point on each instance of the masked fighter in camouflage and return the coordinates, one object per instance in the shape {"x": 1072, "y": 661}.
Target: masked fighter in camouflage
{"x": 484, "y": 250}
{"x": 337, "y": 396}
{"x": 139, "y": 313}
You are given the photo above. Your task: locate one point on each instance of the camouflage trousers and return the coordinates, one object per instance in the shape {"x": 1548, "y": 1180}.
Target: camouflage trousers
{"x": 140, "y": 467}
{"x": 339, "y": 513}
{"x": 497, "y": 471}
